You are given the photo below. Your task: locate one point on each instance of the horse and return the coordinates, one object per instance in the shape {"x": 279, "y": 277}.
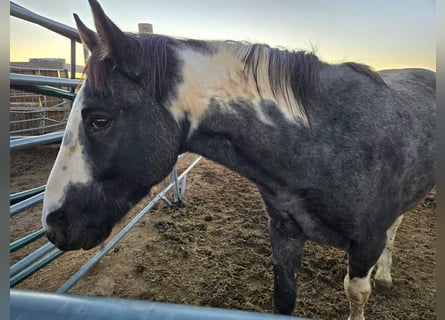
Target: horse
{"x": 338, "y": 152}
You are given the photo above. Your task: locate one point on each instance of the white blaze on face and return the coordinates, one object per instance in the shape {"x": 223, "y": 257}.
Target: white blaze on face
{"x": 70, "y": 166}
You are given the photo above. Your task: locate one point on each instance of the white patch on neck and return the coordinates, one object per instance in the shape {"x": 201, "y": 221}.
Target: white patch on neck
{"x": 70, "y": 166}
{"x": 221, "y": 76}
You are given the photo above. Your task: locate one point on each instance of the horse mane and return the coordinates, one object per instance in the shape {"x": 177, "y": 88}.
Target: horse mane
{"x": 291, "y": 76}
{"x": 158, "y": 66}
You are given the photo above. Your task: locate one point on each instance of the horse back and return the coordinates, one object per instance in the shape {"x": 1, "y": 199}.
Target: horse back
{"x": 399, "y": 115}
{"x": 415, "y": 92}
{"x": 377, "y": 138}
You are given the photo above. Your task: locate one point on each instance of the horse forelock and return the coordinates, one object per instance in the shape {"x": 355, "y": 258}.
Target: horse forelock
{"x": 157, "y": 75}
{"x": 98, "y": 71}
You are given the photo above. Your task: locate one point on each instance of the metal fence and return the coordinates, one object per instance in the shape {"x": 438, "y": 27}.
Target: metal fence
{"x": 48, "y": 111}
{"x": 35, "y": 113}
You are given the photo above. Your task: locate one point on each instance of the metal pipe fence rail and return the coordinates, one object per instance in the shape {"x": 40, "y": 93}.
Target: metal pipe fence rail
{"x": 20, "y": 196}
{"x": 27, "y": 15}
{"x": 41, "y": 84}
{"x": 55, "y": 26}
{"x": 18, "y": 79}
{"x": 33, "y": 141}
{"x": 41, "y": 128}
{"x": 50, "y": 306}
{"x": 55, "y": 107}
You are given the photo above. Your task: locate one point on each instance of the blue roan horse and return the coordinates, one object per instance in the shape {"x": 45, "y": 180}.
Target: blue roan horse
{"x": 338, "y": 152}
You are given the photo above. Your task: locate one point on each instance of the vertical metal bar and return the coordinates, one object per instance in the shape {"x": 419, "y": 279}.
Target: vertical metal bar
{"x": 43, "y": 115}
{"x": 183, "y": 184}
{"x": 175, "y": 184}
{"x": 73, "y": 67}
{"x": 73, "y": 60}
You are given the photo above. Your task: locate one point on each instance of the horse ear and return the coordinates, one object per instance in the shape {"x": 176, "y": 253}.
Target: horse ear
{"x": 87, "y": 36}
{"x": 125, "y": 51}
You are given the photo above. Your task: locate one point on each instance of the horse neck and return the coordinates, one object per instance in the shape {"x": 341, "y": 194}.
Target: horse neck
{"x": 235, "y": 136}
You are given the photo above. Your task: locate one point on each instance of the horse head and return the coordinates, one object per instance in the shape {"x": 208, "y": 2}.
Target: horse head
{"x": 119, "y": 141}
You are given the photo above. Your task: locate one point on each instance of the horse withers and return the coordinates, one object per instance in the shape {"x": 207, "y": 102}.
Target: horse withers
{"x": 338, "y": 152}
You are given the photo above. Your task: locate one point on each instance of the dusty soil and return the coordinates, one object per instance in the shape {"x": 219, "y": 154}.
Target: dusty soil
{"x": 214, "y": 250}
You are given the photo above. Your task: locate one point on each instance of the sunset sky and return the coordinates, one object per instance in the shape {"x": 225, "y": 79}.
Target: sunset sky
{"x": 380, "y": 33}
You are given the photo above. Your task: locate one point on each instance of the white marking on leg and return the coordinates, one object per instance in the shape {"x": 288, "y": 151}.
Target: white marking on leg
{"x": 70, "y": 165}
{"x": 382, "y": 275}
{"x": 357, "y": 290}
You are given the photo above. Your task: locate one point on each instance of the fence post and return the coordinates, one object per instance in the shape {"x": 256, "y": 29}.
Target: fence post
{"x": 145, "y": 28}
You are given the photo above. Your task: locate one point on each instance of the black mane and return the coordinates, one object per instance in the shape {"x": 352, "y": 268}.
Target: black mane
{"x": 299, "y": 68}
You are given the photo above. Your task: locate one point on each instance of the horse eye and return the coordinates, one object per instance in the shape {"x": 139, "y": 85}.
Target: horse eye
{"x": 99, "y": 123}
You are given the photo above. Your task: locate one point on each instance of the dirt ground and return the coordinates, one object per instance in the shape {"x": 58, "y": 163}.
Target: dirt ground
{"x": 214, "y": 250}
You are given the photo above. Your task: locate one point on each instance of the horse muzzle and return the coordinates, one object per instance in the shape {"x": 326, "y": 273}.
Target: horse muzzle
{"x": 73, "y": 235}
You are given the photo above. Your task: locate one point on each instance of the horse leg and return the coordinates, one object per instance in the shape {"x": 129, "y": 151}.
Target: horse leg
{"x": 357, "y": 290}
{"x": 287, "y": 253}
{"x": 357, "y": 284}
{"x": 382, "y": 277}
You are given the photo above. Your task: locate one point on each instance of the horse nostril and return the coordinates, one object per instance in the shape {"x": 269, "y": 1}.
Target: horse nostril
{"x": 56, "y": 238}
{"x": 51, "y": 235}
